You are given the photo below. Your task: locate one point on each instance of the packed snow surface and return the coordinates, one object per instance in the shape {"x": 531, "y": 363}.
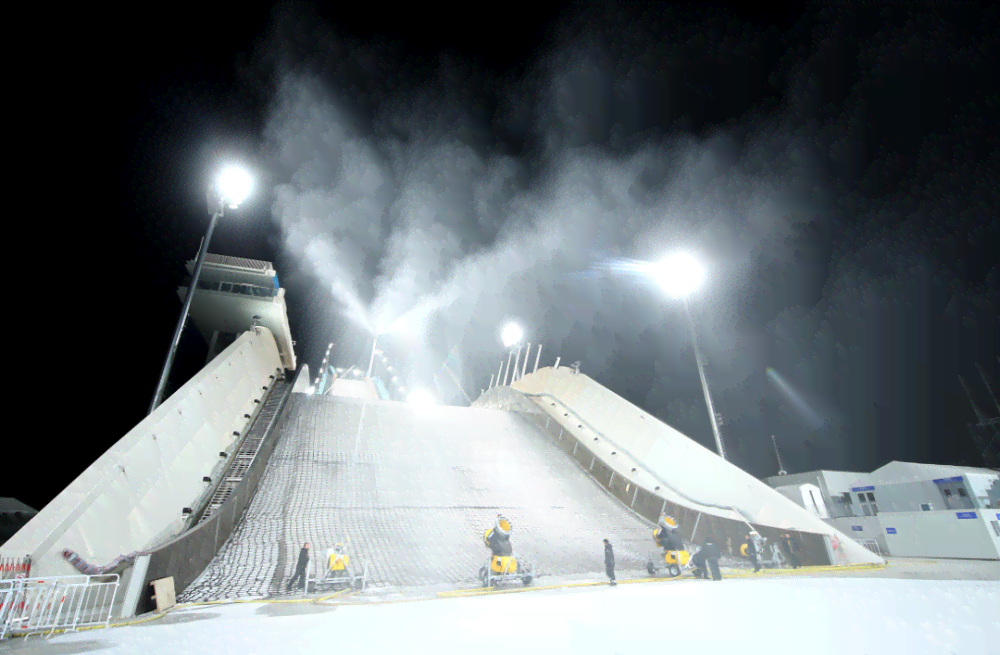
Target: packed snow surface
{"x": 818, "y": 616}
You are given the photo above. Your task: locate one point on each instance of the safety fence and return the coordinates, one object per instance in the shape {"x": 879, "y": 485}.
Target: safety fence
{"x": 872, "y": 545}
{"x": 14, "y": 566}
{"x": 38, "y": 605}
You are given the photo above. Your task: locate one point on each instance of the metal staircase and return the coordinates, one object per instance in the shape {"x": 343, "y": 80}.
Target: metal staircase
{"x": 248, "y": 449}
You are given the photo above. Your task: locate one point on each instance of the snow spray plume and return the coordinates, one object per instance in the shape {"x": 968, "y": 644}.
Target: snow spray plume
{"x": 784, "y": 205}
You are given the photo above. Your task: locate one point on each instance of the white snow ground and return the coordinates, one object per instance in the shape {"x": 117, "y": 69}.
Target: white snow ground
{"x": 814, "y": 616}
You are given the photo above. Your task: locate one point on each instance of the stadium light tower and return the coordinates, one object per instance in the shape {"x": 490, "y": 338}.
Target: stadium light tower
{"x": 680, "y": 274}
{"x": 231, "y": 188}
{"x": 512, "y": 334}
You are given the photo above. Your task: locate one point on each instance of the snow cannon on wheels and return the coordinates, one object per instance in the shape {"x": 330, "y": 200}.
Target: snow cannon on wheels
{"x": 674, "y": 558}
{"x": 338, "y": 572}
{"x": 504, "y": 565}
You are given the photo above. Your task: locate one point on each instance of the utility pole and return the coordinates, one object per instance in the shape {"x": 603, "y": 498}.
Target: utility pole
{"x": 781, "y": 468}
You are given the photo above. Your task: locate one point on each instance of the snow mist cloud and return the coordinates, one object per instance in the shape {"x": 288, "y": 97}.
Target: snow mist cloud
{"x": 435, "y": 202}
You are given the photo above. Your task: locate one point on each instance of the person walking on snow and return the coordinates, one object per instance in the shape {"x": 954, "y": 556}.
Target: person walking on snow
{"x": 792, "y": 548}
{"x": 300, "y": 568}
{"x": 609, "y": 562}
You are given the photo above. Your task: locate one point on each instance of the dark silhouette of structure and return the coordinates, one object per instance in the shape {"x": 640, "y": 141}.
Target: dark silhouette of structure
{"x": 985, "y": 433}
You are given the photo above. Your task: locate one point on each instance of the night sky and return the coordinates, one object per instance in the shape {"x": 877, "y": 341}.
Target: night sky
{"x": 835, "y": 168}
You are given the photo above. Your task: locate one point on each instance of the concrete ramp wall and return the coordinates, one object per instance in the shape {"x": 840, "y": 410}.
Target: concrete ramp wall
{"x": 302, "y": 380}
{"x": 133, "y": 496}
{"x": 650, "y": 454}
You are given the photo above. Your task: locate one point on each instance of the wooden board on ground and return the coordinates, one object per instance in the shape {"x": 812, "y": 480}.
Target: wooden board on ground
{"x": 163, "y": 593}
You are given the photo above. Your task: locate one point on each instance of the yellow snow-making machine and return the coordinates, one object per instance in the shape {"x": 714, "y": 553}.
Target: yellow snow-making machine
{"x": 674, "y": 562}
{"x": 504, "y": 566}
{"x": 339, "y": 573}
{"x": 674, "y": 558}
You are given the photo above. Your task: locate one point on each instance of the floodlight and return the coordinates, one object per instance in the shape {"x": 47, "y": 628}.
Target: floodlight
{"x": 420, "y": 397}
{"x": 395, "y": 378}
{"x": 512, "y": 333}
{"x": 679, "y": 274}
{"x": 234, "y": 186}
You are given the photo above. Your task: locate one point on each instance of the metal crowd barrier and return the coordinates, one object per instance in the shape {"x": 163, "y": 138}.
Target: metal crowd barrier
{"x": 14, "y": 566}
{"x": 872, "y": 545}
{"x": 38, "y": 605}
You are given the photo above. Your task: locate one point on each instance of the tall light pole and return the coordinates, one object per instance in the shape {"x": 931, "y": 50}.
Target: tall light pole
{"x": 680, "y": 274}
{"x": 781, "y": 467}
{"x": 704, "y": 384}
{"x": 230, "y": 189}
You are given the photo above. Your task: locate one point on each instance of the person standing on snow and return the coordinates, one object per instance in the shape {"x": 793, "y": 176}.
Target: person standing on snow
{"x": 711, "y": 556}
{"x": 300, "y": 568}
{"x": 792, "y": 548}
{"x": 706, "y": 560}
{"x": 609, "y": 562}
{"x": 752, "y": 553}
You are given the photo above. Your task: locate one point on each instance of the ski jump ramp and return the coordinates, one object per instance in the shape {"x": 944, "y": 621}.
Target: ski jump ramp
{"x": 412, "y": 489}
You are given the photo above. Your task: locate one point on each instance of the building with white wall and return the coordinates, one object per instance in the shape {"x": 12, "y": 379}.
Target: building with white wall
{"x": 911, "y": 509}
{"x": 806, "y": 495}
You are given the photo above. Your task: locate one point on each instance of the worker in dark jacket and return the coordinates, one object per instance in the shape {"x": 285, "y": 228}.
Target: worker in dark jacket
{"x": 300, "y": 568}
{"x": 609, "y": 562}
{"x": 752, "y": 553}
{"x": 791, "y": 548}
{"x": 712, "y": 553}
{"x": 706, "y": 560}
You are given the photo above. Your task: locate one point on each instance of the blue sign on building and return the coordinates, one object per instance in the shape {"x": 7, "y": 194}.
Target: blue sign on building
{"x": 946, "y": 480}
{"x": 862, "y": 488}
{"x": 857, "y": 528}
{"x": 890, "y": 530}
{"x": 966, "y": 515}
